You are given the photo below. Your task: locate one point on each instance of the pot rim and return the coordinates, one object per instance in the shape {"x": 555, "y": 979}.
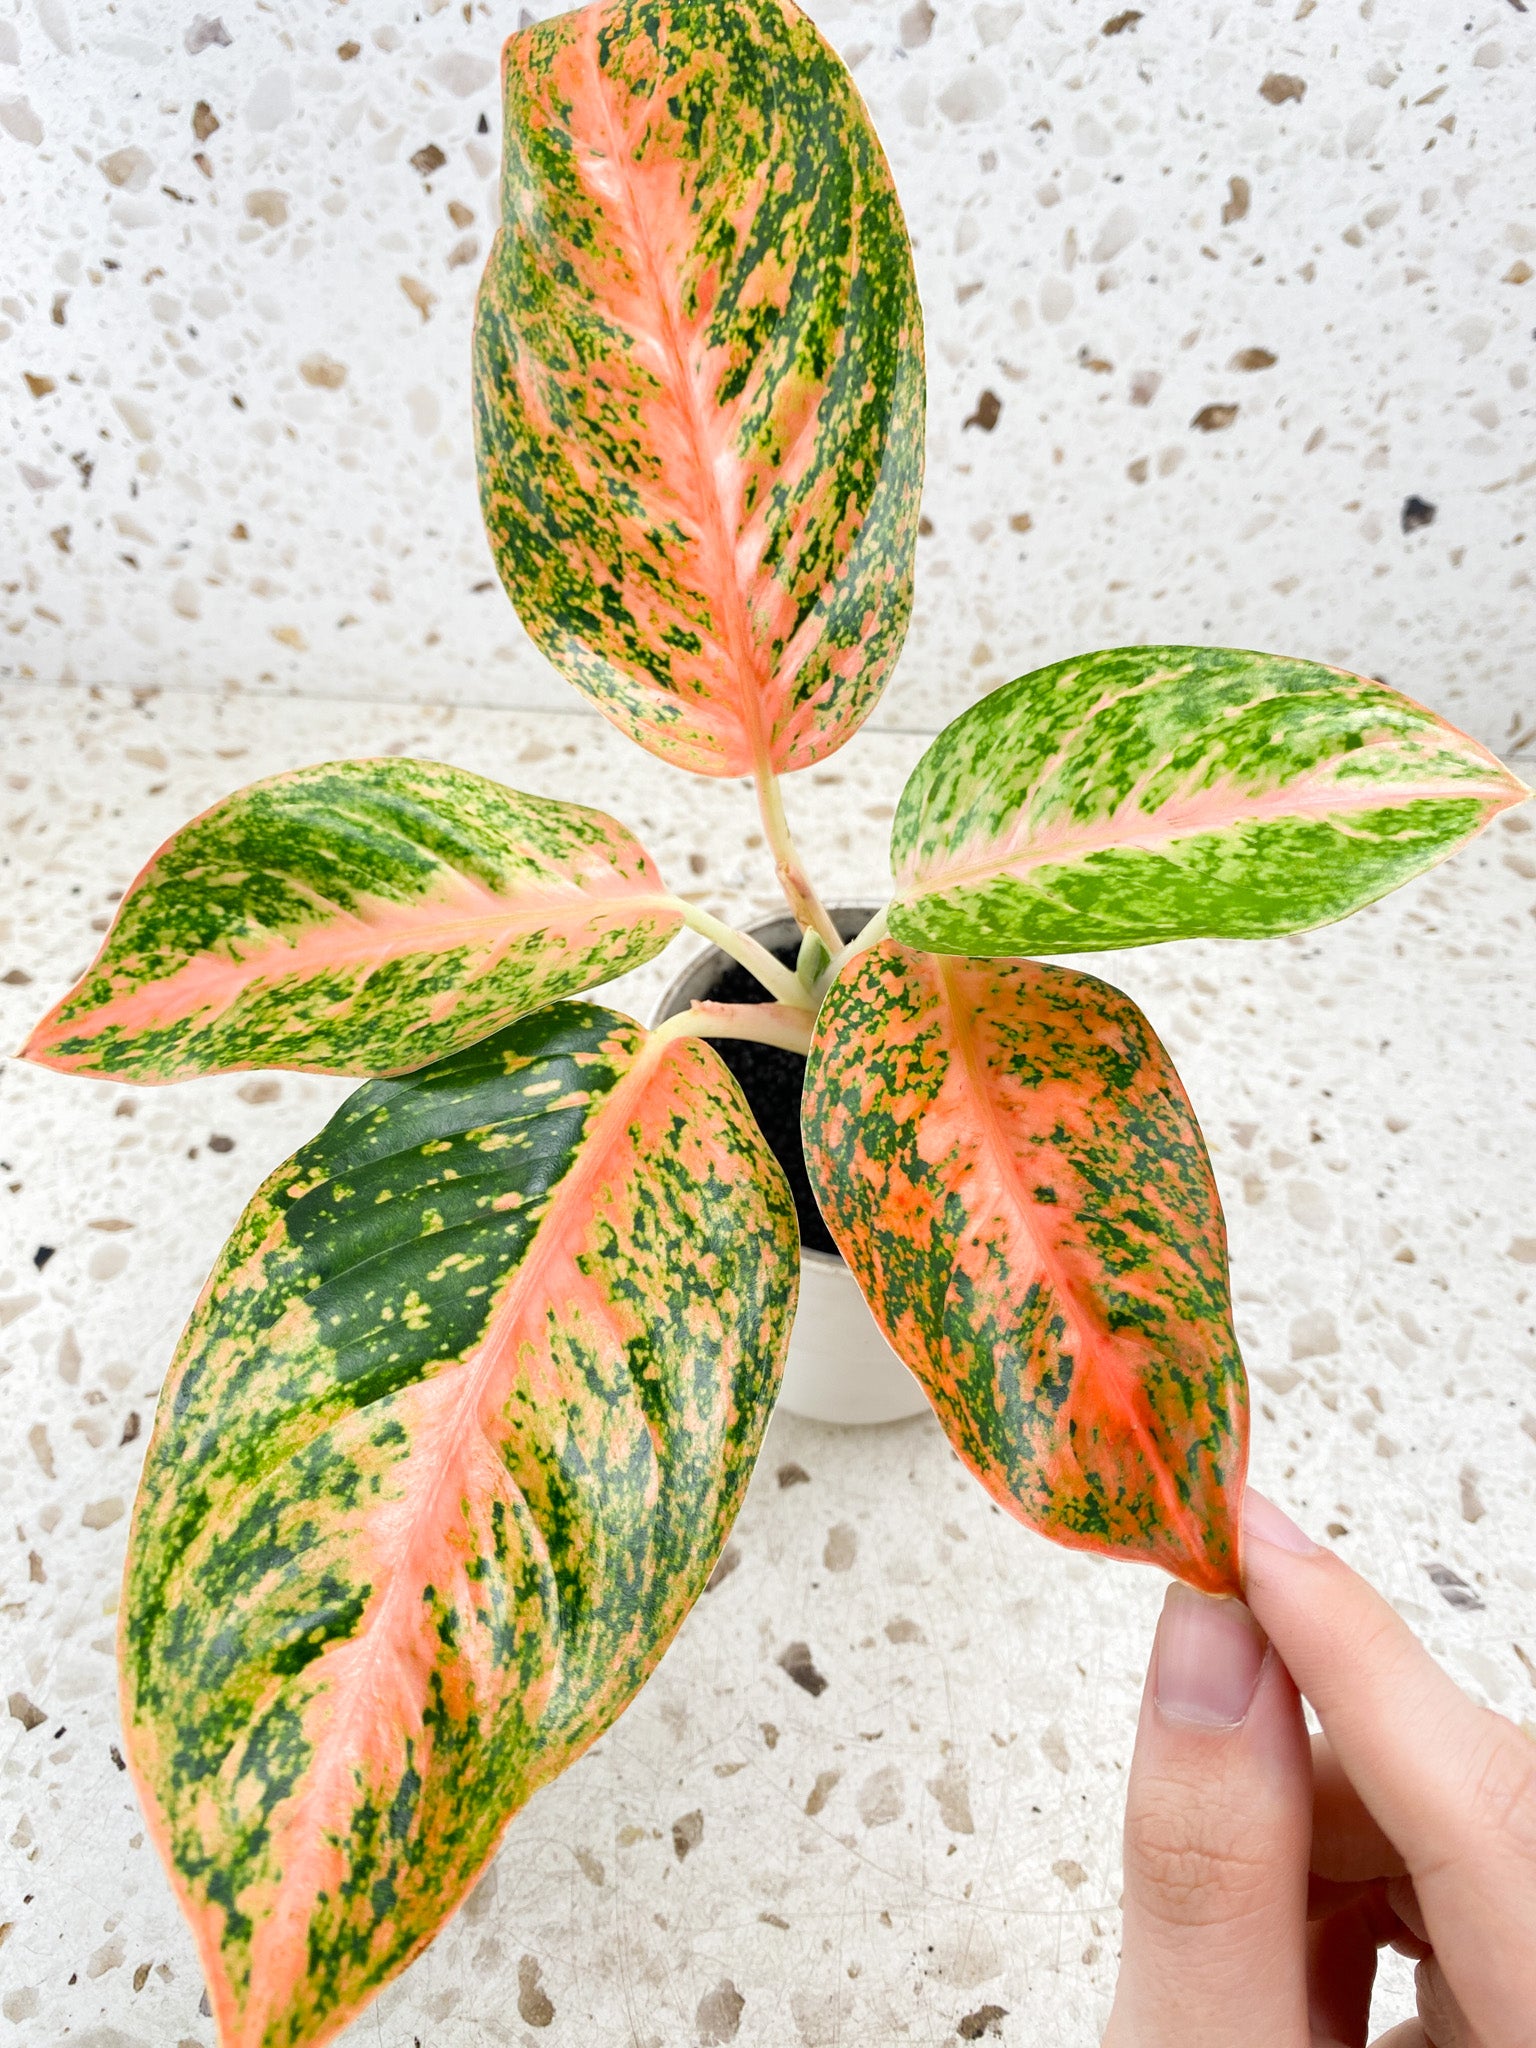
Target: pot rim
{"x": 829, "y": 1259}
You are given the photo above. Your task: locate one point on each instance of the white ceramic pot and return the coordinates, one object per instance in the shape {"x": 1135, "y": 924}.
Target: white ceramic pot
{"x": 840, "y": 1368}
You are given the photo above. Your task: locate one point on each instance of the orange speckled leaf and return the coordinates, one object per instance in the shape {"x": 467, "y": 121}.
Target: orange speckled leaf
{"x": 362, "y": 917}
{"x": 699, "y": 378}
{"x": 448, "y": 1449}
{"x": 1010, "y": 1166}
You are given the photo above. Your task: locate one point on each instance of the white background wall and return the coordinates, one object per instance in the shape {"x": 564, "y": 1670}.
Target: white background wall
{"x": 249, "y": 460}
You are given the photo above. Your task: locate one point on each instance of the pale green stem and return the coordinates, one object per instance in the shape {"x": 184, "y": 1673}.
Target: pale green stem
{"x": 765, "y": 1023}
{"x": 871, "y": 935}
{"x": 780, "y": 981}
{"x": 807, "y": 906}
{"x": 812, "y": 959}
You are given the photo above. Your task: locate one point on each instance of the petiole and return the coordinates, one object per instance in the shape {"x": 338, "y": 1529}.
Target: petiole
{"x": 767, "y": 1023}
{"x": 780, "y": 981}
{"x": 810, "y": 913}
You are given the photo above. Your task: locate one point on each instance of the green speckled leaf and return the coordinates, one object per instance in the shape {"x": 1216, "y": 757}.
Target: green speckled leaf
{"x": 363, "y": 917}
{"x": 1013, "y": 1172}
{"x": 699, "y": 378}
{"x": 1173, "y": 793}
{"x": 450, "y": 1444}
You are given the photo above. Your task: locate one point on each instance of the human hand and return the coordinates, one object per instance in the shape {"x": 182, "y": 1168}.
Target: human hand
{"x": 1262, "y": 1874}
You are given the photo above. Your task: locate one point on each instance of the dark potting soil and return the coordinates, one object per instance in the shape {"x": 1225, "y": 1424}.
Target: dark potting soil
{"x": 772, "y": 1081}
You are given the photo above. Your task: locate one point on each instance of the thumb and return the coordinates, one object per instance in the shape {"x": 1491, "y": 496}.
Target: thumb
{"x": 1217, "y": 1829}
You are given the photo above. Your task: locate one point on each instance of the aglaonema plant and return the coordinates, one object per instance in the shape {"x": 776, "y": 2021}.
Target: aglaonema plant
{"x": 466, "y": 1409}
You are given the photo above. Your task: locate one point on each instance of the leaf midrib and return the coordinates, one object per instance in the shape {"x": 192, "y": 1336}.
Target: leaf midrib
{"x": 1121, "y": 831}
{"x": 173, "y": 998}
{"x": 477, "y": 1370}
{"x": 1106, "y": 1358}
{"x": 746, "y": 671}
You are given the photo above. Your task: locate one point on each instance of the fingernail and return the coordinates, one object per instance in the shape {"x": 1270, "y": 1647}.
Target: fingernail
{"x": 1209, "y": 1655}
{"x": 1269, "y": 1524}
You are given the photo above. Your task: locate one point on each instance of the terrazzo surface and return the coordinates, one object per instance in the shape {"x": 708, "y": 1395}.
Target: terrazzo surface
{"x": 1231, "y": 316}
{"x": 927, "y": 1850}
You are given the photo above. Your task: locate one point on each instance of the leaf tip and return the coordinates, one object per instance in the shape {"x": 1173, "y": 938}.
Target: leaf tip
{"x": 35, "y": 1048}
{"x": 1216, "y": 1567}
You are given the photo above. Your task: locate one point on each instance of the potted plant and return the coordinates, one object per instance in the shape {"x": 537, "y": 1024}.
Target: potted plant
{"x": 461, "y": 1420}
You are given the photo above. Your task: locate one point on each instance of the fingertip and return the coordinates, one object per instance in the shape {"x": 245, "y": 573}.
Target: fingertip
{"x": 1331, "y": 1627}
{"x": 1271, "y": 1528}
{"x": 1208, "y": 1656}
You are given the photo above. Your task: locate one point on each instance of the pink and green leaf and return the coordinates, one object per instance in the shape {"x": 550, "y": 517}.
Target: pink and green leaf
{"x": 447, "y": 1452}
{"x": 699, "y": 378}
{"x": 364, "y": 917}
{"x": 1177, "y": 792}
{"x": 1012, "y": 1170}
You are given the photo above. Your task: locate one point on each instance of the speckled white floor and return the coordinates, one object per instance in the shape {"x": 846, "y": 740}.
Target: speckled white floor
{"x": 930, "y": 1847}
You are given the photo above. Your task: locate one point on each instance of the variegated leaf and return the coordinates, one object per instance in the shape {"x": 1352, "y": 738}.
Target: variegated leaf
{"x": 699, "y": 380}
{"x": 1011, "y": 1168}
{"x": 1173, "y": 793}
{"x": 363, "y": 917}
{"x": 450, "y": 1444}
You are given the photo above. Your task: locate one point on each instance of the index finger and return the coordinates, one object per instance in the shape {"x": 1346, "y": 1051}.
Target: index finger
{"x": 1451, "y": 1784}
